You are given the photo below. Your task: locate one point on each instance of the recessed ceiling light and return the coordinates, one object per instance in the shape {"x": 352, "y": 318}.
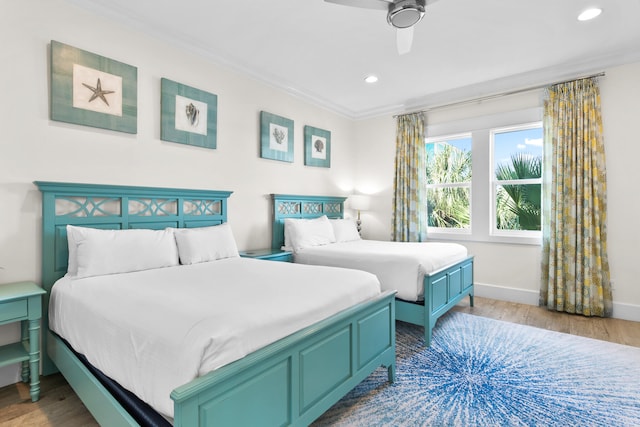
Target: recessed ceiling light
{"x": 371, "y": 79}
{"x": 589, "y": 14}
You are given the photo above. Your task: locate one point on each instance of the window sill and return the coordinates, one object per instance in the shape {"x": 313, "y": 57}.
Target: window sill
{"x": 462, "y": 237}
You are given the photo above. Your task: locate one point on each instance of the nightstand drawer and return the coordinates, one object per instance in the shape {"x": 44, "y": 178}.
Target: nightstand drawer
{"x": 13, "y": 310}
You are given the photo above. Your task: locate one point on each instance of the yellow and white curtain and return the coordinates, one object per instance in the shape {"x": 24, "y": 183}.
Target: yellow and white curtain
{"x": 409, "y": 198}
{"x": 575, "y": 266}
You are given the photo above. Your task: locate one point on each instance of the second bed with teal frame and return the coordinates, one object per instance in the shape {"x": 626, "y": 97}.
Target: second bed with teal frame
{"x": 443, "y": 288}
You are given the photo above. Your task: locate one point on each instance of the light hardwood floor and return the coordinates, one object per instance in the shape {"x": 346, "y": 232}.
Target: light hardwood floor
{"x": 60, "y": 407}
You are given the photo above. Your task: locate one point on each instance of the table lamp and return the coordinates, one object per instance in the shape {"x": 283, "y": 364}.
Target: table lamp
{"x": 359, "y": 202}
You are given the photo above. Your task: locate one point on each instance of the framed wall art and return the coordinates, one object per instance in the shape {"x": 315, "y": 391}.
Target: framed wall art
{"x": 276, "y": 137}
{"x": 317, "y": 147}
{"x": 91, "y": 90}
{"x": 189, "y": 115}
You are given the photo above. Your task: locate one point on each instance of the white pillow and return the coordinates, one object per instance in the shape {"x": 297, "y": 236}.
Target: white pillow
{"x": 204, "y": 244}
{"x": 94, "y": 252}
{"x": 72, "y": 260}
{"x": 345, "y": 230}
{"x": 304, "y": 233}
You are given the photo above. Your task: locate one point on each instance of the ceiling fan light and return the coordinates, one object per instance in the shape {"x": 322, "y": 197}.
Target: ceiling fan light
{"x": 405, "y": 13}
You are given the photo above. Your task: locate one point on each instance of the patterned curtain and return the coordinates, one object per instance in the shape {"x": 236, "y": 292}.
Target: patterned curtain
{"x": 575, "y": 267}
{"x": 409, "y": 185}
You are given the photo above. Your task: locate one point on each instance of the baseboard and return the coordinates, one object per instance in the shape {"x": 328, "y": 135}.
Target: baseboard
{"x": 504, "y": 293}
{"x": 626, "y": 311}
{"x": 524, "y": 296}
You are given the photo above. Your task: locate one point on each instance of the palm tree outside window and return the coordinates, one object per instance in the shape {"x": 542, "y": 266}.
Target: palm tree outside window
{"x": 517, "y": 179}
{"x": 449, "y": 183}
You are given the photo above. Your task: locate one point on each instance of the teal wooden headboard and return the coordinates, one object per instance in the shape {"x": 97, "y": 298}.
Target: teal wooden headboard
{"x": 306, "y": 207}
{"x": 115, "y": 207}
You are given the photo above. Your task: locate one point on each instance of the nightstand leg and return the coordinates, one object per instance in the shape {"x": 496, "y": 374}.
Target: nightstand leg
{"x": 25, "y": 364}
{"x": 34, "y": 358}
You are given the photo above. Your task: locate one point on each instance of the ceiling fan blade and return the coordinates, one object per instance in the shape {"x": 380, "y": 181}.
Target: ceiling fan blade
{"x": 364, "y": 4}
{"x": 404, "y": 39}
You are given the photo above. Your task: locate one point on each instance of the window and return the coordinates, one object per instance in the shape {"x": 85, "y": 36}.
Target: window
{"x": 449, "y": 183}
{"x": 484, "y": 179}
{"x": 516, "y": 180}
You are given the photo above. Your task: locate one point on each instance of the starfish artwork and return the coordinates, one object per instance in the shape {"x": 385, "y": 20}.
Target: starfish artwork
{"x": 98, "y": 92}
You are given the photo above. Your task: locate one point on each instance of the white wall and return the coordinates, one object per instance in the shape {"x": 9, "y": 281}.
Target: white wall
{"x": 512, "y": 272}
{"x": 33, "y": 147}
{"x": 620, "y": 92}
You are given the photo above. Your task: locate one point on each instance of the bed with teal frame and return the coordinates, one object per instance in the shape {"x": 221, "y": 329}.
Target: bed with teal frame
{"x": 443, "y": 288}
{"x": 290, "y": 382}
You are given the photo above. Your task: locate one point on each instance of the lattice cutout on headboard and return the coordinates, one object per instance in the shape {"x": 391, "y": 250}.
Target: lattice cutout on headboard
{"x": 288, "y": 208}
{"x": 202, "y": 207}
{"x": 152, "y": 207}
{"x": 332, "y": 208}
{"x": 312, "y": 208}
{"x": 86, "y": 207}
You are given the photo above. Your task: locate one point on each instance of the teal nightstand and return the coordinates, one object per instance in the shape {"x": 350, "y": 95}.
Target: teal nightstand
{"x": 22, "y": 302}
{"x": 268, "y": 254}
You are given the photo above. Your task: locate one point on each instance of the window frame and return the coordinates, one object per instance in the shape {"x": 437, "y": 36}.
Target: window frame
{"x": 453, "y": 230}
{"x": 448, "y": 124}
{"x": 518, "y": 235}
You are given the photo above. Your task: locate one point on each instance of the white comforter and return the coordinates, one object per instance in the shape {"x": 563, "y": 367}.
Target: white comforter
{"x": 400, "y": 266}
{"x": 154, "y": 330}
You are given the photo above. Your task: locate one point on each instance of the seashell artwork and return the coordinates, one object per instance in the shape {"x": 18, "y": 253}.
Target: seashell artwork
{"x": 193, "y": 114}
{"x": 279, "y": 135}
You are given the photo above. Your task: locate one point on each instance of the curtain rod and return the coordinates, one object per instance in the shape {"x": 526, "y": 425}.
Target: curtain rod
{"x": 499, "y": 95}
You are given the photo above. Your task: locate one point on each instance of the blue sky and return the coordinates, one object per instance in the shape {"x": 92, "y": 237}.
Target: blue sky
{"x": 520, "y": 141}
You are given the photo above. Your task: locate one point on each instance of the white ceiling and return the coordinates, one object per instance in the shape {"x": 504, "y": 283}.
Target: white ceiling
{"x": 462, "y": 49}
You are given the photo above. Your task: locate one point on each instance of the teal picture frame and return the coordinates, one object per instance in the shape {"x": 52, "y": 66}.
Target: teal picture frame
{"x": 91, "y": 90}
{"x": 317, "y": 147}
{"x": 189, "y": 115}
{"x": 276, "y": 137}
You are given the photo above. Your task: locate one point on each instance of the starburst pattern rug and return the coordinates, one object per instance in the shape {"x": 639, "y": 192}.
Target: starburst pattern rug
{"x": 484, "y": 372}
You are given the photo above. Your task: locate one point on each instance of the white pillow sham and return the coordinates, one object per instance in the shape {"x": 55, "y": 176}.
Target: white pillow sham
{"x": 345, "y": 230}
{"x": 95, "y": 252}
{"x": 304, "y": 233}
{"x": 205, "y": 244}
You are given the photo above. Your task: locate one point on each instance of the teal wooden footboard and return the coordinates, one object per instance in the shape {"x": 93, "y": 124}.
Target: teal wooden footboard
{"x": 289, "y": 382}
{"x": 442, "y": 290}
{"x": 295, "y": 380}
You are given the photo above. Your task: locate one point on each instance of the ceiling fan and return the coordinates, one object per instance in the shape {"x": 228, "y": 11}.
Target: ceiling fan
{"x": 401, "y": 14}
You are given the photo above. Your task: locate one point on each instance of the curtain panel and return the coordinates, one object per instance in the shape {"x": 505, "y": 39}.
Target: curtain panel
{"x": 575, "y": 267}
{"x": 409, "y": 185}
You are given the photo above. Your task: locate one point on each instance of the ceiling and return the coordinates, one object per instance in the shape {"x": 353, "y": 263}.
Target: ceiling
{"x": 462, "y": 49}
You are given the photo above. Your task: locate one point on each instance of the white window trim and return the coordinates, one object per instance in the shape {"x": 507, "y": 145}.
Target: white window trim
{"x": 444, "y": 231}
{"x": 514, "y": 236}
{"x": 480, "y": 201}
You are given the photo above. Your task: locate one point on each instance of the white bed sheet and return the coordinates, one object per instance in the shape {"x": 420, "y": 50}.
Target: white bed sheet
{"x": 400, "y": 266}
{"x": 155, "y": 330}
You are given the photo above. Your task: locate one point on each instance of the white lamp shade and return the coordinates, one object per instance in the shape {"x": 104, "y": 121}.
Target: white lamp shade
{"x": 359, "y": 202}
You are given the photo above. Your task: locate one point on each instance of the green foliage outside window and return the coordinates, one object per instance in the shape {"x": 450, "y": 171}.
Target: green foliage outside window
{"x": 448, "y": 206}
{"x": 518, "y": 207}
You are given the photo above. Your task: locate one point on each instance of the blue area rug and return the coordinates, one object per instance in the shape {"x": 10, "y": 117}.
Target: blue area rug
{"x": 484, "y": 372}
